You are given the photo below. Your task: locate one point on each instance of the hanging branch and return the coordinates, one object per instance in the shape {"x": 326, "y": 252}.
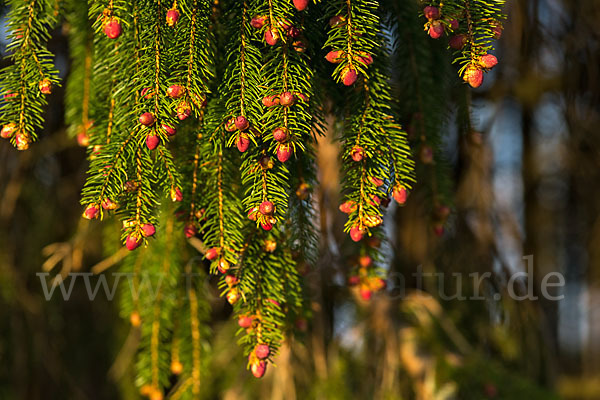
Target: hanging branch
{"x": 221, "y": 221}
{"x": 79, "y": 86}
{"x": 31, "y": 75}
{"x": 162, "y": 91}
{"x": 351, "y": 41}
{"x": 425, "y": 109}
{"x": 473, "y": 26}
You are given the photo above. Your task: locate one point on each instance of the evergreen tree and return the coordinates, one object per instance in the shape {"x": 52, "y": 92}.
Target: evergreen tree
{"x": 217, "y": 107}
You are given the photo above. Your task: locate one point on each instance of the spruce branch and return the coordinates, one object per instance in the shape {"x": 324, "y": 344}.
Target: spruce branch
{"x": 30, "y": 75}
{"x": 474, "y": 25}
{"x": 163, "y": 92}
{"x": 353, "y": 27}
{"x": 79, "y": 85}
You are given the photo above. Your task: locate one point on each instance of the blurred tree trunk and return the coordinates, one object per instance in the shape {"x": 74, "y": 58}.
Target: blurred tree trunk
{"x": 582, "y": 79}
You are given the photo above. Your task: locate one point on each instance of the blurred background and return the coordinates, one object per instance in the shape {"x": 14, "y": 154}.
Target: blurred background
{"x": 525, "y": 183}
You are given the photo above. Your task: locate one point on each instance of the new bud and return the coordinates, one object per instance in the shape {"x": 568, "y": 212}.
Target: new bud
{"x": 212, "y": 253}
{"x": 294, "y": 32}
{"x": 135, "y": 319}
{"x": 300, "y": 4}
{"x": 112, "y": 29}
{"x": 488, "y": 61}
{"x": 376, "y": 181}
{"x": 266, "y": 208}
{"x": 108, "y": 204}
{"x": 348, "y": 207}
{"x": 223, "y": 266}
{"x": 175, "y": 91}
{"x": 284, "y": 152}
{"x": 243, "y": 142}
{"x": 287, "y": 98}
{"x": 270, "y": 101}
{"x": 365, "y": 58}
{"x": 22, "y": 141}
{"x": 400, "y": 194}
{"x": 473, "y": 76}
{"x": 274, "y": 302}
{"x": 245, "y": 321}
{"x": 303, "y": 191}
{"x": 258, "y": 21}
{"x": 436, "y": 30}
{"x": 183, "y": 110}
{"x": 353, "y": 280}
{"x": 233, "y": 296}
{"x": 258, "y": 368}
{"x": 189, "y": 230}
{"x": 377, "y": 284}
{"x": 266, "y": 162}
{"x": 83, "y": 139}
{"x": 284, "y": 24}
{"x": 176, "y": 368}
{"x": 270, "y": 246}
{"x": 356, "y": 234}
{"x": 241, "y": 123}
{"x": 299, "y": 46}
{"x": 349, "y": 76}
{"x": 132, "y": 242}
{"x": 335, "y": 56}
{"x": 252, "y": 213}
{"x": 45, "y": 86}
{"x": 431, "y": 12}
{"x": 497, "y": 29}
{"x": 147, "y": 119}
{"x": 364, "y": 261}
{"x": 8, "y": 130}
{"x": 357, "y": 153}
{"x": 372, "y": 221}
{"x": 230, "y": 125}
{"x": 91, "y": 212}
{"x": 176, "y": 194}
{"x": 148, "y": 230}
{"x": 156, "y": 394}
{"x": 271, "y": 37}
{"x": 169, "y": 130}
{"x": 457, "y": 42}
{"x": 172, "y": 17}
{"x": 231, "y": 280}
{"x": 146, "y": 93}
{"x": 262, "y": 351}
{"x": 365, "y": 293}
{"x": 280, "y": 134}
{"x": 152, "y": 142}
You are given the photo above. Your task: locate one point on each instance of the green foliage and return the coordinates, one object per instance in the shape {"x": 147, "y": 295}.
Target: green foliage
{"x": 31, "y": 74}
{"x": 165, "y": 299}
{"x": 353, "y": 28}
{"x": 479, "y": 22}
{"x": 191, "y": 65}
{"x": 78, "y": 88}
{"x": 425, "y": 80}
{"x": 221, "y": 221}
{"x": 159, "y": 92}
